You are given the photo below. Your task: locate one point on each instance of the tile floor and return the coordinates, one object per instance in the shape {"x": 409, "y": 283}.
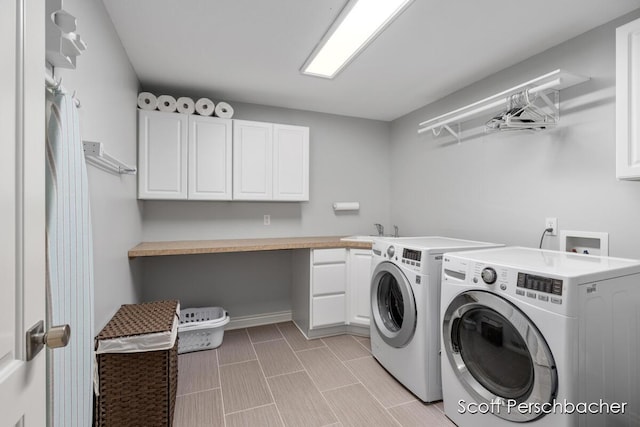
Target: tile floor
{"x": 272, "y": 376}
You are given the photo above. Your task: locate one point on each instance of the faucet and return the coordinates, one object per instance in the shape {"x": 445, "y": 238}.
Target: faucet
{"x": 395, "y": 231}
{"x": 380, "y": 229}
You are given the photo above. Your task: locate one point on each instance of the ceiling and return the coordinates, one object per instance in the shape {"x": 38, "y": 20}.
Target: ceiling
{"x": 252, "y": 50}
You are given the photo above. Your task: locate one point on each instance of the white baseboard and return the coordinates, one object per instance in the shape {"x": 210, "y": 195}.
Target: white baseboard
{"x": 258, "y": 320}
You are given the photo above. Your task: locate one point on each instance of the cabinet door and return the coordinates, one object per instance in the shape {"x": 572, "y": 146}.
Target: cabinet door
{"x": 359, "y": 286}
{"x": 162, "y": 155}
{"x": 290, "y": 163}
{"x": 628, "y": 101}
{"x": 328, "y": 310}
{"x": 329, "y": 279}
{"x": 210, "y": 148}
{"x": 252, "y": 160}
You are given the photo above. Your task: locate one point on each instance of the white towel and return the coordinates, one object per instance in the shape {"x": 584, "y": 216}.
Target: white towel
{"x": 69, "y": 267}
{"x": 185, "y": 105}
{"x": 167, "y": 103}
{"x": 147, "y": 101}
{"x": 205, "y": 107}
{"x": 224, "y": 110}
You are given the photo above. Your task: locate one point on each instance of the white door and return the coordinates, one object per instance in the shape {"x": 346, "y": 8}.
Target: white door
{"x": 210, "y": 147}
{"x": 22, "y": 210}
{"x": 290, "y": 163}
{"x": 162, "y": 155}
{"x": 252, "y": 160}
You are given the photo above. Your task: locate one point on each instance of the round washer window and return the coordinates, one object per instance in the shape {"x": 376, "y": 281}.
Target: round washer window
{"x": 497, "y": 353}
{"x": 390, "y": 302}
{"x": 494, "y": 353}
{"x": 393, "y": 305}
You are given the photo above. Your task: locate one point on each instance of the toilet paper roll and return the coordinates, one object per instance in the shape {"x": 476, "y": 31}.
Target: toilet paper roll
{"x": 346, "y": 206}
{"x": 166, "y": 103}
{"x": 205, "y": 106}
{"x": 185, "y": 105}
{"x": 224, "y": 110}
{"x": 147, "y": 101}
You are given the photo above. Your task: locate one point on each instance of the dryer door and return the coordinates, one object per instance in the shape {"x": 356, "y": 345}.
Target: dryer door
{"x": 393, "y": 305}
{"x": 499, "y": 355}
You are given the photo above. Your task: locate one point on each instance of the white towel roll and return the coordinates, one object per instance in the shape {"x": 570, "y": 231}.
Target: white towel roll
{"x": 166, "y": 103}
{"x": 205, "y": 106}
{"x": 224, "y": 110}
{"x": 186, "y": 105}
{"x": 147, "y": 101}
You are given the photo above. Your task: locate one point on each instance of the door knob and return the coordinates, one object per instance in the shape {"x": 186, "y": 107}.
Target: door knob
{"x": 55, "y": 337}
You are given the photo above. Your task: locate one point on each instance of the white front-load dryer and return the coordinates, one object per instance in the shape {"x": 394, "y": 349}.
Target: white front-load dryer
{"x": 405, "y": 298}
{"x": 540, "y": 337}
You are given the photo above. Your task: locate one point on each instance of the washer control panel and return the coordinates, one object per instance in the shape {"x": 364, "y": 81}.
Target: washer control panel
{"x": 489, "y": 275}
{"x": 391, "y": 250}
{"x": 547, "y": 285}
{"x": 411, "y": 257}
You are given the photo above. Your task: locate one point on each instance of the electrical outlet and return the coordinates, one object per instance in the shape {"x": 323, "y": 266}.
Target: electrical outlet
{"x": 551, "y": 223}
{"x": 267, "y": 220}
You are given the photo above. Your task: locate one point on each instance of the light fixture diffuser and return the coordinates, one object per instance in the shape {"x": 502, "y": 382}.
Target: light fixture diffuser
{"x": 357, "y": 25}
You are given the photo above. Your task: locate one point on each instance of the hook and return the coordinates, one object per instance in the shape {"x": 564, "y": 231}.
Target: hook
{"x": 75, "y": 100}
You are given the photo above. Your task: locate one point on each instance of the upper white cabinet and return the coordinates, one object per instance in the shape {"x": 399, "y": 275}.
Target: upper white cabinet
{"x": 252, "y": 160}
{"x": 210, "y": 154}
{"x": 195, "y": 157}
{"x": 628, "y": 101}
{"x": 162, "y": 155}
{"x": 270, "y": 161}
{"x": 290, "y": 162}
{"x": 184, "y": 157}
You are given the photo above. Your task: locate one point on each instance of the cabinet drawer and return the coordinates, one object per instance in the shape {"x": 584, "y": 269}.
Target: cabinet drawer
{"x": 329, "y": 279}
{"x": 328, "y": 310}
{"x": 327, "y": 256}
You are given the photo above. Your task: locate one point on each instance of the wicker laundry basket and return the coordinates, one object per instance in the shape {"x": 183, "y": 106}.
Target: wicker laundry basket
{"x": 137, "y": 386}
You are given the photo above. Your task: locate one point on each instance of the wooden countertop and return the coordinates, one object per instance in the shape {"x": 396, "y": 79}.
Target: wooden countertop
{"x": 192, "y": 247}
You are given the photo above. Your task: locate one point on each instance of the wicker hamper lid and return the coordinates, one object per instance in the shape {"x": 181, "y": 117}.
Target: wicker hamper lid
{"x": 140, "y": 319}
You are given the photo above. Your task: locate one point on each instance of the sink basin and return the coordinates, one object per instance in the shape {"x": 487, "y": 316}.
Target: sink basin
{"x": 368, "y": 239}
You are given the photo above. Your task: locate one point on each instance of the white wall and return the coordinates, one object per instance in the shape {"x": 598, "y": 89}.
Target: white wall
{"x": 501, "y": 187}
{"x": 107, "y": 87}
{"x": 348, "y": 162}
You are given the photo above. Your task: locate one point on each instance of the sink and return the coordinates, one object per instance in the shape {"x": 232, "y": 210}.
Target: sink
{"x": 368, "y": 239}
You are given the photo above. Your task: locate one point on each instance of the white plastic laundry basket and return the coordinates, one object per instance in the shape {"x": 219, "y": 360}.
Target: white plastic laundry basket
{"x": 201, "y": 328}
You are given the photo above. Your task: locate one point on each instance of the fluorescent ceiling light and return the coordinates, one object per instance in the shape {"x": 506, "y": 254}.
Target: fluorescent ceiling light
{"x": 358, "y": 24}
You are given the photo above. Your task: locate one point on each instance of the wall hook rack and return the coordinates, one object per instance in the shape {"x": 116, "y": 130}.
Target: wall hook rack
{"x": 540, "y": 86}
{"x": 94, "y": 153}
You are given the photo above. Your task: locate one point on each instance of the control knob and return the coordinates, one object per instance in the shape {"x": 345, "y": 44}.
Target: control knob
{"x": 489, "y": 276}
{"x": 391, "y": 251}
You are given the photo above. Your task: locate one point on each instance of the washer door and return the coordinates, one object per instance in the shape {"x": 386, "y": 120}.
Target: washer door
{"x": 498, "y": 354}
{"x": 393, "y": 305}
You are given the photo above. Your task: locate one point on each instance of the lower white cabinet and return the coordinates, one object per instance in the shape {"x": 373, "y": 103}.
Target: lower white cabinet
{"x": 328, "y": 287}
{"x": 328, "y": 310}
{"x": 331, "y": 290}
{"x": 359, "y": 285}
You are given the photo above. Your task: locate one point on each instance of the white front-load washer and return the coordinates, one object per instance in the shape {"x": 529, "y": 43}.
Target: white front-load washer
{"x": 543, "y": 337}
{"x": 405, "y": 297}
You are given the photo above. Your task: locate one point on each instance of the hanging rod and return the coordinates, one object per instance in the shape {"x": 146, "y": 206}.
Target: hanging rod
{"x": 56, "y": 85}
{"x": 94, "y": 153}
{"x": 557, "y": 79}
